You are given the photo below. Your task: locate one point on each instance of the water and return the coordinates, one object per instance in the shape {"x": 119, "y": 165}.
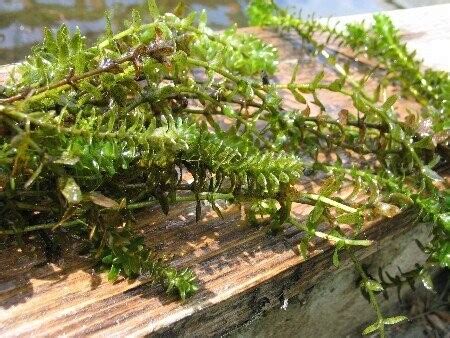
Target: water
{"x": 21, "y": 21}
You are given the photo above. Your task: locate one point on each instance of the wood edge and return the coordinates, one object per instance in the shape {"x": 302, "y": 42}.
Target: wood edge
{"x": 269, "y": 293}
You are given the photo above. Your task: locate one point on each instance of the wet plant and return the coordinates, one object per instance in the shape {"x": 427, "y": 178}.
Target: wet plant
{"x": 169, "y": 111}
{"x": 391, "y": 64}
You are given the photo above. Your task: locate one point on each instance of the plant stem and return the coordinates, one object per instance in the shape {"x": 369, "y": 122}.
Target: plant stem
{"x": 209, "y": 196}
{"x": 331, "y": 202}
{"x": 359, "y": 242}
{"x": 348, "y": 241}
{"x": 41, "y": 227}
{"x": 372, "y": 296}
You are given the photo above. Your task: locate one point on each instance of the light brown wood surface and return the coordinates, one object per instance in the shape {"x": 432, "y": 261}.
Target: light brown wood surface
{"x": 241, "y": 270}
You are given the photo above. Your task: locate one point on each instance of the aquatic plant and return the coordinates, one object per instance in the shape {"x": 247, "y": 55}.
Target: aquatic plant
{"x": 90, "y": 135}
{"x": 391, "y": 64}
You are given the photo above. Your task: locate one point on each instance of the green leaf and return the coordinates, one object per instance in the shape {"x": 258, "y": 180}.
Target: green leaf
{"x": 371, "y": 328}
{"x": 359, "y": 103}
{"x": 153, "y": 9}
{"x": 317, "y": 102}
{"x": 246, "y": 89}
{"x": 262, "y": 181}
{"x": 70, "y": 190}
{"x": 114, "y": 272}
{"x": 296, "y": 93}
{"x": 147, "y": 35}
{"x": 373, "y": 285}
{"x": 331, "y": 185}
{"x": 228, "y": 111}
{"x": 50, "y": 42}
{"x": 103, "y": 201}
{"x": 425, "y": 143}
{"x": 62, "y": 37}
{"x": 394, "y": 320}
{"x": 303, "y": 249}
{"x": 441, "y": 251}
{"x": 336, "y": 258}
{"x": 387, "y": 210}
{"x": 317, "y": 79}
{"x": 108, "y": 26}
{"x": 315, "y": 215}
{"x": 107, "y": 259}
{"x": 431, "y": 174}
{"x": 76, "y": 43}
{"x": 426, "y": 280}
{"x": 202, "y": 20}
{"x": 284, "y": 178}
{"x": 337, "y": 84}
{"x": 389, "y": 102}
{"x": 136, "y": 19}
{"x": 444, "y": 221}
{"x": 350, "y": 218}
{"x": 180, "y": 9}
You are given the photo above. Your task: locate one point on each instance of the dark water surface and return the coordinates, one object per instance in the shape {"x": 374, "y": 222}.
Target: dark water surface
{"x": 21, "y": 21}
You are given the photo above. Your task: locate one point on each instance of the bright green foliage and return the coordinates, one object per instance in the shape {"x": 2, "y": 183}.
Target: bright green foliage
{"x": 169, "y": 111}
{"x": 127, "y": 255}
{"x": 243, "y": 54}
{"x": 382, "y": 41}
{"x": 237, "y": 158}
{"x": 59, "y": 54}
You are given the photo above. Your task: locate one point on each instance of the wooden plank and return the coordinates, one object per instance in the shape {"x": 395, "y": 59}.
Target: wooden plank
{"x": 241, "y": 269}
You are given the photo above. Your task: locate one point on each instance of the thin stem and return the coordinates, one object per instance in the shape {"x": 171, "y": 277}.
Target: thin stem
{"x": 335, "y": 239}
{"x": 41, "y": 227}
{"x": 122, "y": 34}
{"x": 330, "y": 202}
{"x": 208, "y": 196}
{"x": 358, "y": 242}
{"x": 372, "y": 296}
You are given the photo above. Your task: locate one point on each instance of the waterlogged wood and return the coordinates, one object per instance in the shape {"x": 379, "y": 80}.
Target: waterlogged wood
{"x": 241, "y": 270}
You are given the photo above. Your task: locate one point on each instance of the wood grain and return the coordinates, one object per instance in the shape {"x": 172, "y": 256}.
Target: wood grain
{"x": 241, "y": 270}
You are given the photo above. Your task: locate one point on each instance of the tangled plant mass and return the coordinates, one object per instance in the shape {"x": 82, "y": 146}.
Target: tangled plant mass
{"x": 90, "y": 135}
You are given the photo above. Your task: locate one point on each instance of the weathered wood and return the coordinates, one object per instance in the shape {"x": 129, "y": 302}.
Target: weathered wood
{"x": 241, "y": 270}
{"x": 334, "y": 306}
